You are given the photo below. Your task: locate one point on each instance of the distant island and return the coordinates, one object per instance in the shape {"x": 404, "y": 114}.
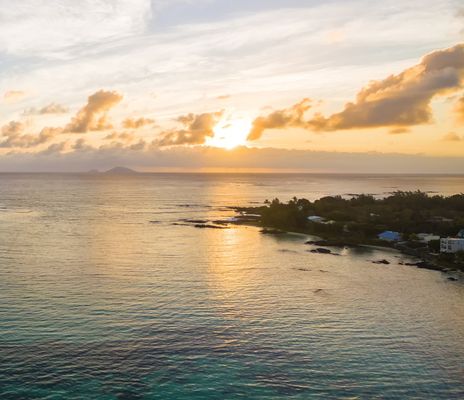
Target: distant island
{"x": 428, "y": 227}
{"x": 121, "y": 171}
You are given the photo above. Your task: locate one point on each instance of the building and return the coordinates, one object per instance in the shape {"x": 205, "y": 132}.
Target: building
{"x": 427, "y": 237}
{"x": 451, "y": 245}
{"x": 390, "y": 236}
{"x": 316, "y": 219}
{"x": 438, "y": 219}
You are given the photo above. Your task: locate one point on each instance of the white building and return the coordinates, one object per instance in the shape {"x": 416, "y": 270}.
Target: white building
{"x": 316, "y": 219}
{"x": 451, "y": 245}
{"x": 427, "y": 237}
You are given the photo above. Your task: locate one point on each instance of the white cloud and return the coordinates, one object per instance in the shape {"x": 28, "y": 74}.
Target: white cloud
{"x": 241, "y": 55}
{"x": 269, "y": 57}
{"x": 55, "y": 28}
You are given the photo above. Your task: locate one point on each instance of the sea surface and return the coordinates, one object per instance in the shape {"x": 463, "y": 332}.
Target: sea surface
{"x": 105, "y": 293}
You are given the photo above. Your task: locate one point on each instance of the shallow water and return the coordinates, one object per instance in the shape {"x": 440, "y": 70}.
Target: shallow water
{"x": 102, "y": 297}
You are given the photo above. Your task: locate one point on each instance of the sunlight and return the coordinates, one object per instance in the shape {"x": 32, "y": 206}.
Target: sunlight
{"x": 230, "y": 133}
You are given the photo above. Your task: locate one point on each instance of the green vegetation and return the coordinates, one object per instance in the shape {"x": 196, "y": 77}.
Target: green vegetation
{"x": 358, "y": 220}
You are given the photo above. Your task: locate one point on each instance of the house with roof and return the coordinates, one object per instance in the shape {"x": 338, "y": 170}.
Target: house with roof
{"x": 316, "y": 219}
{"x": 451, "y": 245}
{"x": 389, "y": 236}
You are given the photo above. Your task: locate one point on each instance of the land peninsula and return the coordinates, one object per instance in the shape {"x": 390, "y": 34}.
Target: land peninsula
{"x": 412, "y": 222}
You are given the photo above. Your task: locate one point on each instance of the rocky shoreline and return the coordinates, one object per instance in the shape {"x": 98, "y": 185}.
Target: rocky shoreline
{"x": 323, "y": 245}
{"x": 425, "y": 261}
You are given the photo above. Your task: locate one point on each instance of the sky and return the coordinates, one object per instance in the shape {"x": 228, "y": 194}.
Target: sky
{"x": 218, "y": 85}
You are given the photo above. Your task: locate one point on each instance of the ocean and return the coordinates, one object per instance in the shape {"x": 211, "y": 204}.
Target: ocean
{"x": 105, "y": 293}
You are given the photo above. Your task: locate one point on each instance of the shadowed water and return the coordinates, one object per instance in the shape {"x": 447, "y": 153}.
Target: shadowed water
{"x": 102, "y": 297}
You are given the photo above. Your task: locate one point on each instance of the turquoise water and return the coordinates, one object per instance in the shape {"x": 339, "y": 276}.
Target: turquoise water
{"x": 103, "y": 297}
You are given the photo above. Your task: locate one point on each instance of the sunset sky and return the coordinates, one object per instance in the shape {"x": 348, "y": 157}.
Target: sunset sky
{"x": 337, "y": 86}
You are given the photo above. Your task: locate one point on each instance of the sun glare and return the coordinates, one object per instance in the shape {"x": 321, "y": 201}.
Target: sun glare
{"x": 230, "y": 133}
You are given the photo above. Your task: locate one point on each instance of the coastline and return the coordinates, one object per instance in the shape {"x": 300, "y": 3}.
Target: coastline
{"x": 298, "y": 215}
{"x": 321, "y": 243}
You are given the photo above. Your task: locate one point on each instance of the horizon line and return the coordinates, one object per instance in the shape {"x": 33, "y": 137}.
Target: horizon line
{"x": 226, "y": 172}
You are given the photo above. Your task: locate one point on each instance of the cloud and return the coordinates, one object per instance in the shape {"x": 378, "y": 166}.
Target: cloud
{"x": 52, "y": 108}
{"x": 125, "y": 137}
{"x": 61, "y": 157}
{"x": 94, "y": 116}
{"x": 41, "y": 27}
{"x": 14, "y": 136}
{"x": 139, "y": 146}
{"x": 400, "y": 100}
{"x": 459, "y": 109}
{"x": 81, "y": 145}
{"x": 13, "y": 96}
{"x": 452, "y": 137}
{"x": 291, "y": 117}
{"x": 188, "y": 59}
{"x": 55, "y": 148}
{"x": 136, "y": 123}
{"x": 124, "y": 141}
{"x": 13, "y": 128}
{"x": 196, "y": 128}
{"x": 399, "y": 131}
{"x": 460, "y": 15}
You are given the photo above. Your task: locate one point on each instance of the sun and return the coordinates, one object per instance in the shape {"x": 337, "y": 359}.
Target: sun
{"x": 230, "y": 133}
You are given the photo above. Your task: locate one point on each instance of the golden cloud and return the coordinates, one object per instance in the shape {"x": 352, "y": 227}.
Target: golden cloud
{"x": 400, "y": 100}
{"x": 459, "y": 109}
{"x": 399, "y": 131}
{"x": 452, "y": 137}
{"x": 94, "y": 115}
{"x": 137, "y": 123}
{"x": 52, "y": 108}
{"x": 291, "y": 117}
{"x": 121, "y": 136}
{"x": 196, "y": 128}
{"x": 14, "y": 136}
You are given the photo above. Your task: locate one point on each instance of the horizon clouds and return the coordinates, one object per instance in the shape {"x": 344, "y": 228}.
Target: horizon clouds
{"x": 400, "y": 105}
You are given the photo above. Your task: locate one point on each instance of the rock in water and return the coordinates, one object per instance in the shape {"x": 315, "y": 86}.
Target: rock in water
{"x": 383, "y": 262}
{"x": 268, "y": 231}
{"x": 321, "y": 250}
